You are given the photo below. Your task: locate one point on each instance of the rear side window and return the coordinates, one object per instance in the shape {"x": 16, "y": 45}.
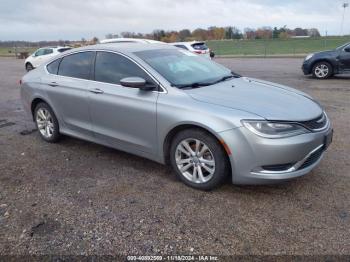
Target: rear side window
{"x": 48, "y": 51}
{"x": 52, "y": 68}
{"x": 200, "y": 46}
{"x": 77, "y": 65}
{"x": 111, "y": 68}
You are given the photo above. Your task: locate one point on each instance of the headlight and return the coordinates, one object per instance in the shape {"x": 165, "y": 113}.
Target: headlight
{"x": 274, "y": 129}
{"x": 309, "y": 57}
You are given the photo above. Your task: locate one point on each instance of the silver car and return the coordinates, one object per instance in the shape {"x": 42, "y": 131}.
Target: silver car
{"x": 174, "y": 107}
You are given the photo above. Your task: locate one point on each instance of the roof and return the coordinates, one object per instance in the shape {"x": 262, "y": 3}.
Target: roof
{"x": 124, "y": 47}
{"x": 139, "y": 40}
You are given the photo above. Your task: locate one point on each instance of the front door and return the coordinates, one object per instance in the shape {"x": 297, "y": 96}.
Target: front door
{"x": 122, "y": 117}
{"x": 344, "y": 59}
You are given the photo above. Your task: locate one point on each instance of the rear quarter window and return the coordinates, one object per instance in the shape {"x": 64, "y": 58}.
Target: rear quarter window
{"x": 52, "y": 68}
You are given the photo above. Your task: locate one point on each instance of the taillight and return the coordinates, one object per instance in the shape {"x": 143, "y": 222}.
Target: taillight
{"x": 198, "y": 52}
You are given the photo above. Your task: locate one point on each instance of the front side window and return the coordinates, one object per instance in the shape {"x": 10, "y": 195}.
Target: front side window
{"x": 40, "y": 52}
{"x": 77, "y": 65}
{"x": 111, "y": 68}
{"x": 183, "y": 68}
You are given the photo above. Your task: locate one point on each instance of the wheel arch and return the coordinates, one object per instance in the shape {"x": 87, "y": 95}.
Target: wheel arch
{"x": 36, "y": 101}
{"x": 329, "y": 61}
{"x": 175, "y": 130}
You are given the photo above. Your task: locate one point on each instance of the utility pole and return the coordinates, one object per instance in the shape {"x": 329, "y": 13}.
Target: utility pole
{"x": 345, "y": 5}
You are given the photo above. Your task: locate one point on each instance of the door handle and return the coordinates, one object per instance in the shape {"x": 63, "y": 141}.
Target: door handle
{"x": 96, "y": 91}
{"x": 53, "y": 84}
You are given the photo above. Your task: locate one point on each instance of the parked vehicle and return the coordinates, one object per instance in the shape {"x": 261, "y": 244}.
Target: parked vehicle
{"x": 325, "y": 64}
{"x": 199, "y": 48}
{"x": 130, "y": 40}
{"x": 174, "y": 107}
{"x": 42, "y": 55}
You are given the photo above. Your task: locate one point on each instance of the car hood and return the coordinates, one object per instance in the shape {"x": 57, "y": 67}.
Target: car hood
{"x": 326, "y": 53}
{"x": 265, "y": 99}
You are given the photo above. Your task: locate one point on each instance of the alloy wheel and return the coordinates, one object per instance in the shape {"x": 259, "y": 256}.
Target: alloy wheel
{"x": 195, "y": 161}
{"x": 45, "y": 122}
{"x": 321, "y": 70}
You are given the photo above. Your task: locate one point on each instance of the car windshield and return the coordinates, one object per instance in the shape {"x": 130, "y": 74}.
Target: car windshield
{"x": 185, "y": 69}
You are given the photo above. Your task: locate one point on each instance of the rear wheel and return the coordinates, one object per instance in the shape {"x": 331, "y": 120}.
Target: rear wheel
{"x": 198, "y": 159}
{"x": 46, "y": 123}
{"x": 322, "y": 70}
{"x": 29, "y": 67}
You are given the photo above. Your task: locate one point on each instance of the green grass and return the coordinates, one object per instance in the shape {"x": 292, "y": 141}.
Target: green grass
{"x": 10, "y": 51}
{"x": 275, "y": 47}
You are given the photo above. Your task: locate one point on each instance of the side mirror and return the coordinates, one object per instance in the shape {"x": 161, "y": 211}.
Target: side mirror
{"x": 136, "y": 82}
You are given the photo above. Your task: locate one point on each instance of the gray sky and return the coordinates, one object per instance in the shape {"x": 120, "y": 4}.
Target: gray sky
{"x": 74, "y": 19}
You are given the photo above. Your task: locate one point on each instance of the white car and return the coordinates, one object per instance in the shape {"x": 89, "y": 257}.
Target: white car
{"x": 130, "y": 40}
{"x": 42, "y": 55}
{"x": 197, "y": 47}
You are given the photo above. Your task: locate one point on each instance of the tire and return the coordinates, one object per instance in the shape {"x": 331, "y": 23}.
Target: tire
{"x": 322, "y": 70}
{"x": 207, "y": 180}
{"x": 29, "y": 67}
{"x": 47, "y": 123}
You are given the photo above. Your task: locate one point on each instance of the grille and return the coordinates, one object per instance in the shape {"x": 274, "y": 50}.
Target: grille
{"x": 317, "y": 123}
{"x": 312, "y": 159}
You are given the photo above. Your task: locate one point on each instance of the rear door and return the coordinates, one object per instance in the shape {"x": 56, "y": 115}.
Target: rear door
{"x": 344, "y": 59}
{"x": 122, "y": 117}
{"x": 67, "y": 87}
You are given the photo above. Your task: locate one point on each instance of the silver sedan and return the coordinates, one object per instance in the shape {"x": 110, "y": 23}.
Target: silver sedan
{"x": 176, "y": 108}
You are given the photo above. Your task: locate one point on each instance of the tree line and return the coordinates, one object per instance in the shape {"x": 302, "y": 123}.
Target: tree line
{"x": 221, "y": 33}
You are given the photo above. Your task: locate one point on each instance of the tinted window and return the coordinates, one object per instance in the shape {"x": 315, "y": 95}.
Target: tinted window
{"x": 200, "y": 46}
{"x": 182, "y": 46}
{"x": 77, "y": 65}
{"x": 52, "y": 68}
{"x": 111, "y": 68}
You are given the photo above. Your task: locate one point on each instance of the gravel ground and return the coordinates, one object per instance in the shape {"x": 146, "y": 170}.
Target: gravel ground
{"x": 76, "y": 197}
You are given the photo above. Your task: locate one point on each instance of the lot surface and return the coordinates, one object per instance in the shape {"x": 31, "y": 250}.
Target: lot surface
{"x": 76, "y": 197}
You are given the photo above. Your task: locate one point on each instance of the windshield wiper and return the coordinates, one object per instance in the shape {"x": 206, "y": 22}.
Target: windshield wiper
{"x": 224, "y": 78}
{"x": 193, "y": 85}
{"x": 200, "y": 84}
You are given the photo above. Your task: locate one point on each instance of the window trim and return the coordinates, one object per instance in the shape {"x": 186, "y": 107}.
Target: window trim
{"x": 162, "y": 90}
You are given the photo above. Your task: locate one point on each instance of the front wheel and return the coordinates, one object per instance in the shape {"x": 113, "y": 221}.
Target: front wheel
{"x": 198, "y": 159}
{"x": 322, "y": 70}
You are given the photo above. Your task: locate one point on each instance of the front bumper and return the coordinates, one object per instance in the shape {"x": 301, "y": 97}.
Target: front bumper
{"x": 258, "y": 160}
{"x": 306, "y": 68}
